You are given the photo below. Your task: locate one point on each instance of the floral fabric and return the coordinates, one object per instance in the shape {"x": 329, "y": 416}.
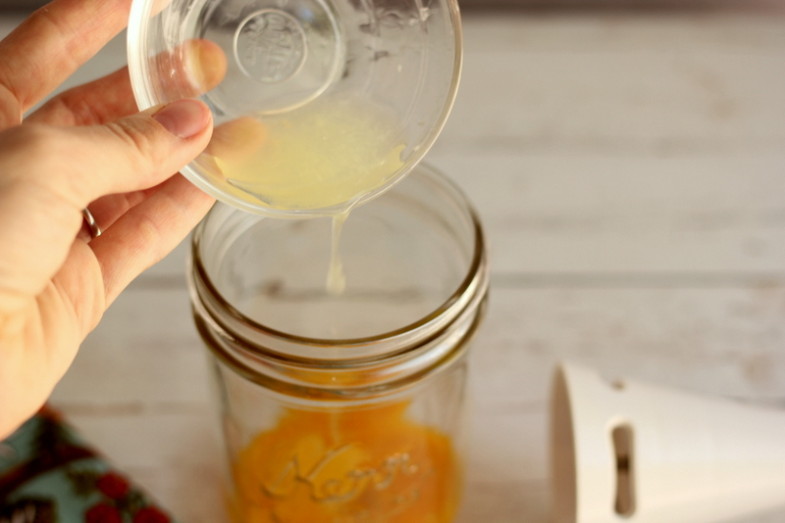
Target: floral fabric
{"x": 49, "y": 475}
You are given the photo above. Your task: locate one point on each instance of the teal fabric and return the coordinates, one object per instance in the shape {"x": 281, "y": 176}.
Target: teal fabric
{"x": 48, "y": 474}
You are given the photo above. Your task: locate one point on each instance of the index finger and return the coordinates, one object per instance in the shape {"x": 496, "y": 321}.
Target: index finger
{"x": 53, "y": 42}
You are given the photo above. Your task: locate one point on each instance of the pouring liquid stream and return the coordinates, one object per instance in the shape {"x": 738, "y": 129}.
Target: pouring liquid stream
{"x": 336, "y": 278}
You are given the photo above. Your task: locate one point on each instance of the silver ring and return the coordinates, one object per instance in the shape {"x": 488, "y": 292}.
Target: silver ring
{"x": 92, "y": 225}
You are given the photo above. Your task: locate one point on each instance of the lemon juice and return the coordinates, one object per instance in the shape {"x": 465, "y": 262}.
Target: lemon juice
{"x": 324, "y": 155}
{"x": 328, "y": 154}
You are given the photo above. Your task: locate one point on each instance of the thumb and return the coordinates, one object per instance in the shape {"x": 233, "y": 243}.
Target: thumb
{"x": 139, "y": 151}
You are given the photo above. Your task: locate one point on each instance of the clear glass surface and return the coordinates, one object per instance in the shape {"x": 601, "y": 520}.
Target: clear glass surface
{"x": 318, "y": 104}
{"x": 345, "y": 407}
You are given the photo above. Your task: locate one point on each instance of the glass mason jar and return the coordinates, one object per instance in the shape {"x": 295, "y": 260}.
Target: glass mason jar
{"x": 343, "y": 407}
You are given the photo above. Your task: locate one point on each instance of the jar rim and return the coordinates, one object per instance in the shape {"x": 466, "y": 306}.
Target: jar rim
{"x": 473, "y": 284}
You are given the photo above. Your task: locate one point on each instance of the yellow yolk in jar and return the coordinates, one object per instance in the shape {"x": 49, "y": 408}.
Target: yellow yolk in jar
{"x": 355, "y": 466}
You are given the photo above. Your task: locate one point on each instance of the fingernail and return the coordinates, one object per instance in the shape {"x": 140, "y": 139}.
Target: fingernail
{"x": 183, "y": 118}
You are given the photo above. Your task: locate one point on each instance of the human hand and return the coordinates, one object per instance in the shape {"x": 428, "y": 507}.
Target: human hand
{"x": 85, "y": 147}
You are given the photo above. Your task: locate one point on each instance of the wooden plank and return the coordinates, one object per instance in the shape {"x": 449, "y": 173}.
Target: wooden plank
{"x": 556, "y": 215}
{"x": 141, "y": 394}
{"x": 672, "y": 219}
{"x": 718, "y": 339}
{"x": 598, "y": 143}
{"x": 657, "y": 85}
{"x": 621, "y": 144}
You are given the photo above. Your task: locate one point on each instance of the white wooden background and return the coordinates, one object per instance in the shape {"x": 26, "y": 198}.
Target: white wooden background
{"x": 630, "y": 171}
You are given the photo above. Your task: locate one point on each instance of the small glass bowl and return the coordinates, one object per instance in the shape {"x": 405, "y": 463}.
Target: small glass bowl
{"x": 318, "y": 104}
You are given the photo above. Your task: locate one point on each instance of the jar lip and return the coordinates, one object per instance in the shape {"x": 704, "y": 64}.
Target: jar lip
{"x": 474, "y": 276}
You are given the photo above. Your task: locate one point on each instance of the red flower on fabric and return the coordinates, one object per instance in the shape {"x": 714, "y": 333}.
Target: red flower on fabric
{"x": 113, "y": 485}
{"x": 103, "y": 513}
{"x": 151, "y": 515}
